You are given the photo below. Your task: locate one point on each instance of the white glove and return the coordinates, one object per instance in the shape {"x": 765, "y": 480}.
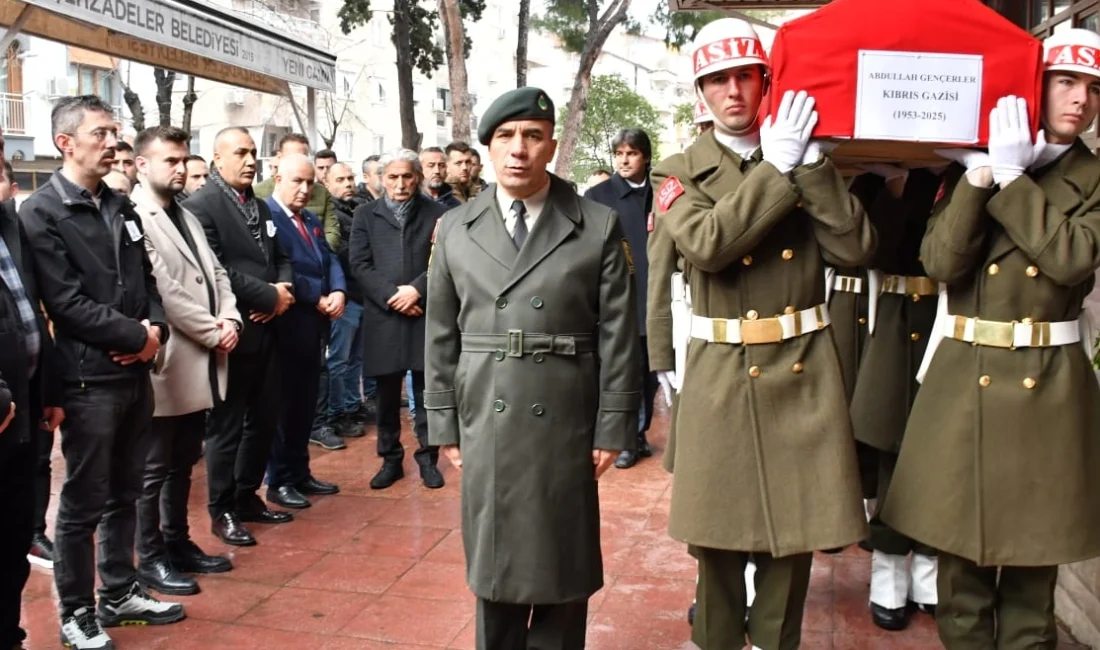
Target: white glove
{"x": 816, "y": 149}
{"x": 1011, "y": 148}
{"x": 970, "y": 158}
{"x": 783, "y": 141}
{"x": 887, "y": 172}
{"x": 667, "y": 379}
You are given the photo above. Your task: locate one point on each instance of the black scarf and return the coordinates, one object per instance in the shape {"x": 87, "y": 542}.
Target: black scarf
{"x": 249, "y": 209}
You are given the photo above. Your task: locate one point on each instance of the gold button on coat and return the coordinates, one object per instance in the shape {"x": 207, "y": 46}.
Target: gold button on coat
{"x": 747, "y": 260}
{"x": 993, "y": 269}
{"x": 1027, "y": 321}
{"x": 915, "y": 336}
{"x": 916, "y": 297}
{"x": 788, "y": 254}
{"x": 796, "y": 368}
{"x": 1032, "y": 271}
{"x": 1029, "y": 383}
{"x": 984, "y": 381}
{"x": 752, "y": 314}
{"x": 862, "y": 320}
{"x": 788, "y": 309}
{"x": 754, "y": 371}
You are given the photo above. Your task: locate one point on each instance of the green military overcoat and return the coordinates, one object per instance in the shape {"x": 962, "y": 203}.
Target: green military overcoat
{"x": 1000, "y": 457}
{"x": 527, "y": 425}
{"x": 765, "y": 459}
{"x": 887, "y": 381}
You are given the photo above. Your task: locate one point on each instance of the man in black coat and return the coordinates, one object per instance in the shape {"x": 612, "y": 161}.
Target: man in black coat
{"x": 97, "y": 285}
{"x": 27, "y": 386}
{"x": 391, "y": 242}
{"x": 629, "y": 193}
{"x": 241, "y": 428}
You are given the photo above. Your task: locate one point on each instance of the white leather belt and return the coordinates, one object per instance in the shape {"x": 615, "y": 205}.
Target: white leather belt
{"x": 755, "y": 331}
{"x": 1011, "y": 335}
{"x": 909, "y": 284}
{"x": 848, "y": 284}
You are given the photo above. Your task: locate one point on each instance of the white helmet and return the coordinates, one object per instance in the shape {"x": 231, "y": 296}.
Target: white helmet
{"x": 702, "y": 113}
{"x": 726, "y": 43}
{"x": 1073, "y": 50}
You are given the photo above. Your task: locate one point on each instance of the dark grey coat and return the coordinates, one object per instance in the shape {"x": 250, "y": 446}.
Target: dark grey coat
{"x": 527, "y": 424}
{"x": 384, "y": 254}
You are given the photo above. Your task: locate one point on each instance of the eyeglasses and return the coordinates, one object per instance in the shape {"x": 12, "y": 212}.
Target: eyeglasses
{"x": 99, "y": 134}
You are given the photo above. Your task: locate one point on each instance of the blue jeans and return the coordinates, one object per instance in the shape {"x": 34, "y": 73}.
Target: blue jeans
{"x": 345, "y": 361}
{"x": 409, "y": 391}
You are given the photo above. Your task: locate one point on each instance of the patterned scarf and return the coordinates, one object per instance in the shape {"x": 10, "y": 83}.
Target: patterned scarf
{"x": 249, "y": 209}
{"x": 400, "y": 210}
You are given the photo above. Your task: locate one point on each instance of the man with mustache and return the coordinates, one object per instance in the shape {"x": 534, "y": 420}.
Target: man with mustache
{"x": 98, "y": 288}
{"x": 997, "y": 469}
{"x": 241, "y": 427}
{"x": 433, "y": 162}
{"x": 755, "y": 211}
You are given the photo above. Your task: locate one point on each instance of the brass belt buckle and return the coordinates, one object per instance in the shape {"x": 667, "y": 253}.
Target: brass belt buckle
{"x": 921, "y": 285}
{"x": 993, "y": 334}
{"x": 765, "y": 330}
{"x": 515, "y": 343}
{"x": 718, "y": 330}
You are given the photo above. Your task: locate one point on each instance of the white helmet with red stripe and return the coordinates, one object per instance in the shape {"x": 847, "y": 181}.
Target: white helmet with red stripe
{"x": 702, "y": 113}
{"x": 1073, "y": 50}
{"x": 726, "y": 43}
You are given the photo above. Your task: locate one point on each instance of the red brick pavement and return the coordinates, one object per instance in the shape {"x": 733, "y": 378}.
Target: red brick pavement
{"x": 369, "y": 570}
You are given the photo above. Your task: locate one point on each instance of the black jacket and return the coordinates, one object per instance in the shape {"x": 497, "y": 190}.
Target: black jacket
{"x": 446, "y": 197}
{"x": 30, "y": 392}
{"x": 252, "y": 271}
{"x": 634, "y": 207}
{"x": 344, "y": 211}
{"x": 94, "y": 277}
{"x": 385, "y": 254}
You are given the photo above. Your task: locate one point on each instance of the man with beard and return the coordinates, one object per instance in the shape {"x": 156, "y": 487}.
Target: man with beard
{"x": 241, "y": 427}
{"x": 197, "y": 173}
{"x": 433, "y": 162}
{"x": 346, "y": 411}
{"x": 630, "y": 195}
{"x": 460, "y": 170}
{"x": 203, "y": 322}
{"x": 97, "y": 286}
{"x": 475, "y": 171}
{"x": 391, "y": 240}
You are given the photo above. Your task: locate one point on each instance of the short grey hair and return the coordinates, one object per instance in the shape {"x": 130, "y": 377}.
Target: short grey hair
{"x": 68, "y": 113}
{"x": 403, "y": 155}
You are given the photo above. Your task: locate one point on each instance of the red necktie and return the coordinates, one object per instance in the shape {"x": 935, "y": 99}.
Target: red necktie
{"x": 298, "y": 221}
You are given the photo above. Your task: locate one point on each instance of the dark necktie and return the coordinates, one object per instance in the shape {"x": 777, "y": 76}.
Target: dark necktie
{"x": 519, "y": 234}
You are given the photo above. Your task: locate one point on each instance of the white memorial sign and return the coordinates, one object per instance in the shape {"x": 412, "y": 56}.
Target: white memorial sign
{"x": 178, "y": 25}
{"x": 919, "y": 96}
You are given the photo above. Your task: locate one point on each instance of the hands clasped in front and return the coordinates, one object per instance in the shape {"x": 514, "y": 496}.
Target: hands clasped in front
{"x": 148, "y": 351}
{"x": 406, "y": 301}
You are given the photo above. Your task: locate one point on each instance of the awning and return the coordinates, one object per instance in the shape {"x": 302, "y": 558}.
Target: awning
{"x": 743, "y": 5}
{"x": 184, "y": 35}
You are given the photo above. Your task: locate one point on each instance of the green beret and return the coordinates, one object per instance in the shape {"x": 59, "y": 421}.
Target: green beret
{"x": 520, "y": 104}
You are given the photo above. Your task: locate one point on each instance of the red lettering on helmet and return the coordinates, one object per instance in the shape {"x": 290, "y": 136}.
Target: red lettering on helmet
{"x": 1081, "y": 55}
{"x": 729, "y": 48}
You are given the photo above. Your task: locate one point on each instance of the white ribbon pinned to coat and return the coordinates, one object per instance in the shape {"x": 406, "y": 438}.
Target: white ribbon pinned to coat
{"x": 681, "y": 327}
{"x": 936, "y": 337}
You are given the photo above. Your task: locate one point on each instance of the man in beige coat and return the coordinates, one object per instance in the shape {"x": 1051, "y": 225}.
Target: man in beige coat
{"x": 203, "y": 320}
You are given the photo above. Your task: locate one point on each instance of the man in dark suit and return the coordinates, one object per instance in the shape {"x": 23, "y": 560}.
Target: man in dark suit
{"x": 26, "y": 386}
{"x": 629, "y": 194}
{"x": 391, "y": 242}
{"x": 319, "y": 293}
{"x": 240, "y": 428}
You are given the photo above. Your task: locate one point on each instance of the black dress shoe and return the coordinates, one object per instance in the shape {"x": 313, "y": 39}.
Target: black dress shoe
{"x": 266, "y": 515}
{"x": 430, "y": 476}
{"x": 314, "y": 486}
{"x": 160, "y": 575}
{"x": 228, "y": 528}
{"x": 350, "y": 427}
{"x": 187, "y": 557}
{"x": 691, "y": 614}
{"x": 644, "y": 450}
{"x": 287, "y": 496}
{"x": 627, "y": 459}
{"x": 387, "y": 476}
{"x": 890, "y": 619}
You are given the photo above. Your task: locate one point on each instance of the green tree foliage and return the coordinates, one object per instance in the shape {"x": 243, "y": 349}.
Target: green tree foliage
{"x": 612, "y": 105}
{"x": 684, "y": 114}
{"x": 423, "y": 24}
{"x": 682, "y": 26}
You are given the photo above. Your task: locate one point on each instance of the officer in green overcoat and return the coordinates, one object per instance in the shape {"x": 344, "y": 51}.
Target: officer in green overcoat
{"x": 901, "y": 310}
{"x": 762, "y": 413}
{"x": 998, "y": 468}
{"x": 532, "y": 379}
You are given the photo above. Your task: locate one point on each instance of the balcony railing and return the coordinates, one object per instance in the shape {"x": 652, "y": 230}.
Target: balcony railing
{"x": 12, "y": 114}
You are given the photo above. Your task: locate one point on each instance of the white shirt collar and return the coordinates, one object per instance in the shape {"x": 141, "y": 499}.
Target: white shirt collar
{"x": 282, "y": 206}
{"x": 633, "y": 184}
{"x": 1049, "y": 154}
{"x": 533, "y": 203}
{"x": 742, "y": 145}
